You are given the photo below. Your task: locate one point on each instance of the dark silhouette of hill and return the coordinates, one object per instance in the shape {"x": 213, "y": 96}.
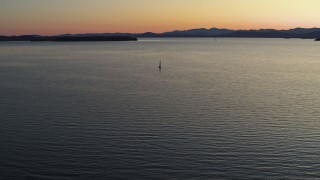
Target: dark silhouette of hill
{"x": 66, "y": 38}
{"x": 315, "y": 34}
{"x": 148, "y": 34}
{"x": 299, "y": 31}
{"x": 198, "y": 33}
{"x": 259, "y": 34}
{"x": 18, "y": 38}
{"x": 84, "y": 38}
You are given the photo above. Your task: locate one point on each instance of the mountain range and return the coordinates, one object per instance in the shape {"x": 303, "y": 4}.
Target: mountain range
{"x": 216, "y": 32}
{"x": 311, "y": 33}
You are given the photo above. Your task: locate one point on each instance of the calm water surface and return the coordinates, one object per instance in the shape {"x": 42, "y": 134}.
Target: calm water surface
{"x": 231, "y": 108}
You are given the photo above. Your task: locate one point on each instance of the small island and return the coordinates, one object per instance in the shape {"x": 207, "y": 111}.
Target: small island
{"x": 36, "y": 38}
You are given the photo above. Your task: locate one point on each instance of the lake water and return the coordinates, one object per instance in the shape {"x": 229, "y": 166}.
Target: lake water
{"x": 218, "y": 109}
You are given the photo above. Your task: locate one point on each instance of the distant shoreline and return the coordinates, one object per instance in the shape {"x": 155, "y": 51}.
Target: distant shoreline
{"x": 36, "y": 38}
{"x": 304, "y": 33}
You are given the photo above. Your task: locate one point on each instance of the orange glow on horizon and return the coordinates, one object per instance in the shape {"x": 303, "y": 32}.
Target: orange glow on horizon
{"x": 102, "y": 16}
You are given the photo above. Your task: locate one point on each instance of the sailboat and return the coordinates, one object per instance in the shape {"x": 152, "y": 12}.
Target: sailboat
{"x": 160, "y": 65}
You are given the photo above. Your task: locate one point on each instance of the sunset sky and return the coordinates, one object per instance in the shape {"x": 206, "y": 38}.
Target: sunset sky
{"x": 51, "y": 17}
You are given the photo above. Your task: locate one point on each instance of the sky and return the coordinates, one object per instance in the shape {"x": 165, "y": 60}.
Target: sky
{"x": 51, "y": 17}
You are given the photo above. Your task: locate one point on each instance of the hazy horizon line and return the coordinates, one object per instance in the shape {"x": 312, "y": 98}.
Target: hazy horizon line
{"x": 160, "y": 32}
